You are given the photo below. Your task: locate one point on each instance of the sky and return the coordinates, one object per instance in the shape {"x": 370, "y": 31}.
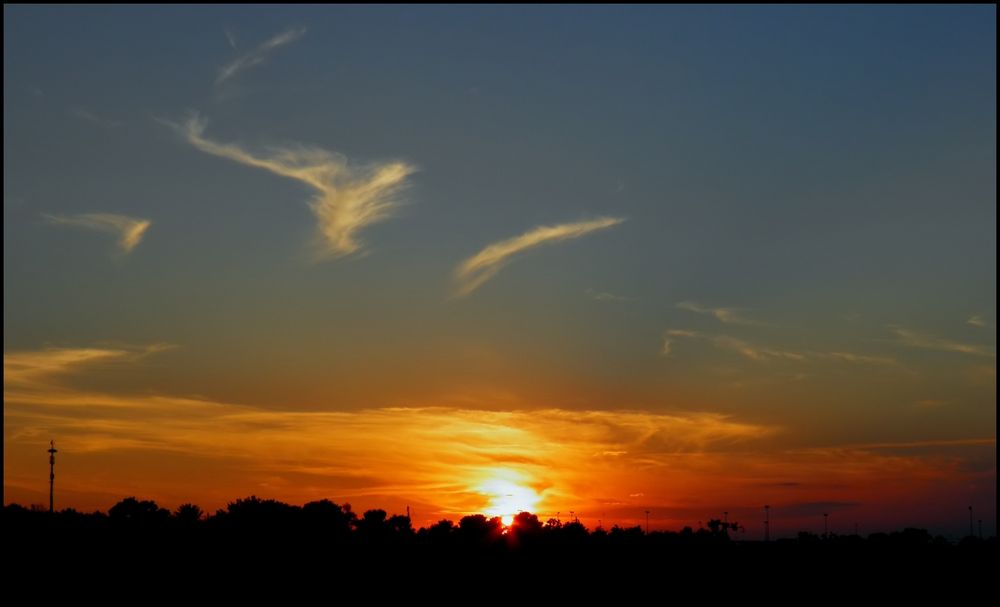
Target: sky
{"x": 593, "y": 260}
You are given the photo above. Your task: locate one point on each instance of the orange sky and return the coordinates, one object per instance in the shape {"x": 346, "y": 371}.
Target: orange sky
{"x": 445, "y": 462}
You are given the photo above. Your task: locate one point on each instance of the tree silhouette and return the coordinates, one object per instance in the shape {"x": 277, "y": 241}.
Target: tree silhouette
{"x": 188, "y": 514}
{"x": 131, "y": 511}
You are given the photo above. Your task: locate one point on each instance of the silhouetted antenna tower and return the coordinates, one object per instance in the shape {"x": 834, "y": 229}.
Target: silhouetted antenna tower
{"x": 767, "y": 523}
{"x": 52, "y": 476}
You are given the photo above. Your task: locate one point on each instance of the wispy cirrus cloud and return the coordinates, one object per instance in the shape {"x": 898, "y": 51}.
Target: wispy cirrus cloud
{"x": 91, "y": 117}
{"x": 760, "y": 353}
{"x": 669, "y": 337}
{"x": 754, "y": 352}
{"x": 481, "y": 267}
{"x": 26, "y": 368}
{"x": 733, "y": 344}
{"x": 976, "y": 321}
{"x": 914, "y": 339}
{"x": 230, "y": 37}
{"x": 257, "y": 55}
{"x": 729, "y": 316}
{"x": 602, "y": 296}
{"x": 860, "y": 359}
{"x": 130, "y": 230}
{"x": 347, "y": 198}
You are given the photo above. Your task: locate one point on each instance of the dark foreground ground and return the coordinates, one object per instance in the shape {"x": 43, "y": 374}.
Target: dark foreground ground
{"x": 257, "y": 550}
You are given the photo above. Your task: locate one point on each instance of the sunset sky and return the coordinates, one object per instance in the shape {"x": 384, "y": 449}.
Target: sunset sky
{"x": 585, "y": 259}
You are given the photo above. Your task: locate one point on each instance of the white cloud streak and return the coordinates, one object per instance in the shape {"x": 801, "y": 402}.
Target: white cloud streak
{"x": 347, "y": 198}
{"x": 481, "y": 267}
{"x": 763, "y": 354}
{"x": 257, "y": 55}
{"x": 230, "y": 37}
{"x": 858, "y": 359}
{"x": 976, "y": 321}
{"x": 130, "y": 230}
{"x": 913, "y": 339}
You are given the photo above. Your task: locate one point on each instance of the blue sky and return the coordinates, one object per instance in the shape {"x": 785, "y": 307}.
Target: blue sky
{"x": 824, "y": 176}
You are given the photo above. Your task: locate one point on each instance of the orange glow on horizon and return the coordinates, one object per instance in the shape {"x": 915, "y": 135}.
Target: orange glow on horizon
{"x": 448, "y": 462}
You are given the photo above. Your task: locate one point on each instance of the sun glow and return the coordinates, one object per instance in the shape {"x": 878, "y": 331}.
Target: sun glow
{"x": 508, "y": 496}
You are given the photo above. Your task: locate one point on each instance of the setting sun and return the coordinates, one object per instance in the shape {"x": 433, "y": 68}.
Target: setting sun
{"x": 508, "y": 496}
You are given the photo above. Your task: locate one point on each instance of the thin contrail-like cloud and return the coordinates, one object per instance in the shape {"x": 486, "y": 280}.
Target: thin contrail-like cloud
{"x": 257, "y": 55}
{"x": 475, "y": 271}
{"x": 729, "y": 316}
{"x": 89, "y": 116}
{"x": 765, "y": 354}
{"x": 913, "y": 339}
{"x": 130, "y": 230}
{"x": 230, "y": 37}
{"x": 347, "y": 199}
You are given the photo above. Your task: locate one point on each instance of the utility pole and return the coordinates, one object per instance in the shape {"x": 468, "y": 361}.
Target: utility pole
{"x": 52, "y": 476}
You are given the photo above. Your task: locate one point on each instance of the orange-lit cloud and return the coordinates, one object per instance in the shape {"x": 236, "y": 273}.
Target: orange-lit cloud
{"x": 446, "y": 461}
{"x": 484, "y": 265}
{"x": 448, "y": 456}
{"x": 37, "y": 369}
{"x": 347, "y": 198}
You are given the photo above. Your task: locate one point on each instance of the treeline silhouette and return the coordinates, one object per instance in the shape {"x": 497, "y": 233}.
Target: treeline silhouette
{"x": 328, "y": 539}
